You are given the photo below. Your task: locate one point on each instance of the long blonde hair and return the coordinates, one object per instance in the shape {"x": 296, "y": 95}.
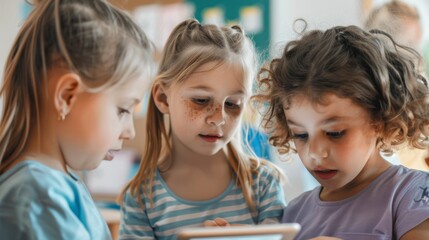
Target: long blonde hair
{"x": 90, "y": 38}
{"x": 190, "y": 46}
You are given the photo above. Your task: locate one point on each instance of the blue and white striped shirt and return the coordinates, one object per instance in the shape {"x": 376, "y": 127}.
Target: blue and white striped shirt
{"x": 171, "y": 213}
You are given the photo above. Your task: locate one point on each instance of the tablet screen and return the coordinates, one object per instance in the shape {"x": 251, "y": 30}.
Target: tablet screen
{"x": 258, "y": 237}
{"x": 285, "y": 231}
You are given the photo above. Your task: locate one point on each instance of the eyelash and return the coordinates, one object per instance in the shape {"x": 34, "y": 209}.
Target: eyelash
{"x": 123, "y": 111}
{"x": 204, "y": 101}
{"x": 200, "y": 101}
{"x": 334, "y": 135}
{"x": 301, "y": 137}
{"x": 338, "y": 134}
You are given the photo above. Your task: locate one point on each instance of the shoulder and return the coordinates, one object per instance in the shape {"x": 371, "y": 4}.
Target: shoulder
{"x": 131, "y": 200}
{"x": 408, "y": 182}
{"x": 268, "y": 181}
{"x": 141, "y": 197}
{"x": 304, "y": 203}
{"x": 31, "y": 180}
{"x": 402, "y": 177}
{"x": 308, "y": 195}
{"x": 269, "y": 170}
{"x": 305, "y": 198}
{"x": 409, "y": 191}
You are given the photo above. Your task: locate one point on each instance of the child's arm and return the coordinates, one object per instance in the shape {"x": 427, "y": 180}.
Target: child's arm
{"x": 419, "y": 232}
{"x": 271, "y": 198}
{"x": 134, "y": 220}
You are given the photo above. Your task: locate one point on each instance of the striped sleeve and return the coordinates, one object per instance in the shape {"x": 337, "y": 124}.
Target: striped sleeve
{"x": 271, "y": 199}
{"x": 134, "y": 221}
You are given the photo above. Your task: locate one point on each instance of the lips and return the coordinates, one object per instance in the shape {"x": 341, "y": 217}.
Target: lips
{"x": 210, "y": 137}
{"x": 110, "y": 155}
{"x": 325, "y": 174}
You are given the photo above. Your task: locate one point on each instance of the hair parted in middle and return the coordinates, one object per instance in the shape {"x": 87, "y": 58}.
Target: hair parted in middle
{"x": 355, "y": 64}
{"x": 189, "y": 47}
{"x": 69, "y": 34}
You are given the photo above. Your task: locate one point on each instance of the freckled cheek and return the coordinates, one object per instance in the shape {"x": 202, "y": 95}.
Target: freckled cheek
{"x": 194, "y": 111}
{"x": 235, "y": 114}
{"x": 233, "y": 118}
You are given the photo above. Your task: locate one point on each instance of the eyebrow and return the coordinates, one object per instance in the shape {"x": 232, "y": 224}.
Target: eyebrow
{"x": 326, "y": 121}
{"x": 208, "y": 89}
{"x": 134, "y": 101}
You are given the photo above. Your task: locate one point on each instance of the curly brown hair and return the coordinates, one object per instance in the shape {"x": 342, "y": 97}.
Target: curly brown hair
{"x": 350, "y": 63}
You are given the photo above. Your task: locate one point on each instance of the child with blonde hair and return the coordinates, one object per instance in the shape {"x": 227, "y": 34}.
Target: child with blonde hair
{"x": 338, "y": 98}
{"x": 72, "y": 79}
{"x": 193, "y": 172}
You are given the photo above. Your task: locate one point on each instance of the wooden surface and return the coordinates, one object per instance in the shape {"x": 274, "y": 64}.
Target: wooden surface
{"x": 112, "y": 218}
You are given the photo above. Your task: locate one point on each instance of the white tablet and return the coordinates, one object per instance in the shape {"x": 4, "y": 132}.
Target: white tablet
{"x": 284, "y": 231}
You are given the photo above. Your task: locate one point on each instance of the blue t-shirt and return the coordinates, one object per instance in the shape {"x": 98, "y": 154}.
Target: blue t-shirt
{"x": 394, "y": 203}
{"x": 38, "y": 202}
{"x": 171, "y": 213}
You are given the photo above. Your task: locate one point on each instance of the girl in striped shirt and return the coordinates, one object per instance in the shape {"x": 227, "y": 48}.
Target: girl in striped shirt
{"x": 193, "y": 172}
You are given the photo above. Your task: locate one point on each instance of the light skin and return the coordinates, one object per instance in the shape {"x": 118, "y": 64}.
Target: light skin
{"x": 79, "y": 129}
{"x": 204, "y": 112}
{"x": 336, "y": 142}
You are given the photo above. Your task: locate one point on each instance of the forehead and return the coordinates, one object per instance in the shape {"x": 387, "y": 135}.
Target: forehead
{"x": 134, "y": 87}
{"x": 221, "y": 77}
{"x": 302, "y": 109}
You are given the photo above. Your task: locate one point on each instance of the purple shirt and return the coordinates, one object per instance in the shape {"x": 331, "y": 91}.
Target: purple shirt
{"x": 394, "y": 203}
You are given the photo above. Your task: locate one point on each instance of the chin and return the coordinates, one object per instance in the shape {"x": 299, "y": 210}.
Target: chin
{"x": 92, "y": 165}
{"x": 212, "y": 153}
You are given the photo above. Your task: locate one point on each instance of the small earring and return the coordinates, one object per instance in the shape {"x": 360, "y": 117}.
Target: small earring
{"x": 62, "y": 116}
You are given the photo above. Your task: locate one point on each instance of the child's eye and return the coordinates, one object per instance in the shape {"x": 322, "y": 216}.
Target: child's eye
{"x": 302, "y": 136}
{"x": 232, "y": 105}
{"x": 200, "y": 101}
{"x": 338, "y": 134}
{"x": 123, "y": 111}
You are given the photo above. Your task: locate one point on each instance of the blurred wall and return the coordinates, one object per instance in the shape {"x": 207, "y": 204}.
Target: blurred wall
{"x": 10, "y": 17}
{"x": 318, "y": 14}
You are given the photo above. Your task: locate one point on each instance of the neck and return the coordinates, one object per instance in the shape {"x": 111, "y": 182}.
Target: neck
{"x": 45, "y": 159}
{"x": 186, "y": 157}
{"x": 43, "y": 147}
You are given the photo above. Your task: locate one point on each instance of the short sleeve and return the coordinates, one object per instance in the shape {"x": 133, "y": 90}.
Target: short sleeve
{"x": 134, "y": 220}
{"x": 40, "y": 203}
{"x": 54, "y": 220}
{"x": 42, "y": 219}
{"x": 413, "y": 206}
{"x": 271, "y": 199}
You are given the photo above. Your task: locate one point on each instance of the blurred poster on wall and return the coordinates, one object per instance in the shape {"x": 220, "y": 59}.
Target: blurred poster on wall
{"x": 158, "y": 20}
{"x": 252, "y": 15}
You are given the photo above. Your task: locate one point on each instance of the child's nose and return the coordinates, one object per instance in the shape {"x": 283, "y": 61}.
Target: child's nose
{"x": 316, "y": 150}
{"x": 129, "y": 131}
{"x": 217, "y": 116}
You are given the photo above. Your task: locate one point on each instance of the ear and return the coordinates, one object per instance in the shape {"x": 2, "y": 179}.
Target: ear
{"x": 66, "y": 90}
{"x": 160, "y": 98}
